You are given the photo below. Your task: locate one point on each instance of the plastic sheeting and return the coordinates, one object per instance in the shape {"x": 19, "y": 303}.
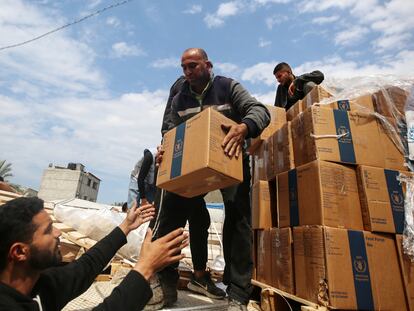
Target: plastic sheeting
{"x": 393, "y": 100}
{"x": 96, "y": 221}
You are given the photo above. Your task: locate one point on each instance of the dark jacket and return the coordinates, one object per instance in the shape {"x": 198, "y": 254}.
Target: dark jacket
{"x": 59, "y": 285}
{"x": 282, "y": 96}
{"x": 224, "y": 94}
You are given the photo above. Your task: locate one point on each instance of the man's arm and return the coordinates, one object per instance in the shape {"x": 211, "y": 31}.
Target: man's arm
{"x": 145, "y": 168}
{"x": 253, "y": 113}
{"x": 314, "y": 76}
{"x": 134, "y": 292}
{"x": 67, "y": 282}
{"x": 254, "y": 119}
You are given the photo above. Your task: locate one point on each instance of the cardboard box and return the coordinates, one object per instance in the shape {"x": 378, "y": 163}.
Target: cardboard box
{"x": 254, "y": 254}
{"x": 264, "y": 205}
{"x": 277, "y": 120}
{"x": 338, "y": 136}
{"x": 391, "y": 139}
{"x": 264, "y": 259}
{"x": 269, "y": 160}
{"x": 361, "y": 103}
{"x": 407, "y": 269}
{"x": 282, "y": 260}
{"x": 194, "y": 161}
{"x": 317, "y": 94}
{"x": 347, "y": 269}
{"x": 319, "y": 193}
{"x": 390, "y": 101}
{"x": 283, "y": 156}
{"x": 382, "y": 199}
{"x": 263, "y": 163}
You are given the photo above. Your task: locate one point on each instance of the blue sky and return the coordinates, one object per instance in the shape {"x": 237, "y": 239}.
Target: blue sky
{"x": 95, "y": 92}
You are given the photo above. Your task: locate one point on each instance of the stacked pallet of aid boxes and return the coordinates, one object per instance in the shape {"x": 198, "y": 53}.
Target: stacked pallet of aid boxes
{"x": 327, "y": 204}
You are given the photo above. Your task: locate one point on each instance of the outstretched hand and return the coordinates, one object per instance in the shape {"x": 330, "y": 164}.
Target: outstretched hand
{"x": 234, "y": 140}
{"x": 136, "y": 216}
{"x": 160, "y": 253}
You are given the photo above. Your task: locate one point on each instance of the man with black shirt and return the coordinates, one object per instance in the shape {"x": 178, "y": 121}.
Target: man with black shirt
{"x": 292, "y": 88}
{"x": 200, "y": 89}
{"x": 31, "y": 277}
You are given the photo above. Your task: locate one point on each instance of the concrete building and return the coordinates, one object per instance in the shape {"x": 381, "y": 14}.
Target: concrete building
{"x": 68, "y": 183}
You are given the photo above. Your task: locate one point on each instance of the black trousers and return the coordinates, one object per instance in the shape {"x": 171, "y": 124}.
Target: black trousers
{"x": 237, "y": 234}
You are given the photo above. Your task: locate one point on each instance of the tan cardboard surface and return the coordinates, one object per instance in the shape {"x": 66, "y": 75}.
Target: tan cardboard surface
{"x": 378, "y": 201}
{"x": 407, "y": 269}
{"x": 263, "y": 205}
{"x": 315, "y": 136}
{"x": 317, "y": 94}
{"x": 282, "y": 259}
{"x": 277, "y": 120}
{"x": 204, "y": 166}
{"x": 362, "y": 103}
{"x": 348, "y": 269}
{"x": 327, "y": 194}
{"x": 264, "y": 259}
{"x": 283, "y": 157}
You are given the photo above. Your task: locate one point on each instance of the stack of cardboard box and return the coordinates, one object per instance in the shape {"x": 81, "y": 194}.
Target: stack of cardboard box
{"x": 328, "y": 207}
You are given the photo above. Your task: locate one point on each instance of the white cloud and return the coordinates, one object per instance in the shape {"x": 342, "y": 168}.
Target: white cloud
{"x": 335, "y": 67}
{"x": 213, "y": 21}
{"x": 275, "y": 20}
{"x": 266, "y": 98}
{"x": 227, "y": 69}
{"x": 389, "y": 42}
{"x": 105, "y": 135}
{"x": 322, "y": 5}
{"x": 224, "y": 10}
{"x": 260, "y": 73}
{"x": 26, "y": 88}
{"x": 390, "y": 23}
{"x": 171, "y": 62}
{"x": 351, "y": 35}
{"x": 121, "y": 49}
{"x": 264, "y": 2}
{"x": 325, "y": 19}
{"x": 263, "y": 43}
{"x": 228, "y": 9}
{"x": 68, "y": 67}
{"x": 113, "y": 21}
{"x": 194, "y": 9}
{"x": 93, "y": 3}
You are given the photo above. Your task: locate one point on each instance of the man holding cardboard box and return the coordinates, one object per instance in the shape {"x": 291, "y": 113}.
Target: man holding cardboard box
{"x": 201, "y": 89}
{"x": 292, "y": 88}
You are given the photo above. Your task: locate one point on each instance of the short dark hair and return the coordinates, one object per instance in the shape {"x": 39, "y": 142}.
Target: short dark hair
{"x": 282, "y": 66}
{"x": 16, "y": 224}
{"x": 1, "y": 178}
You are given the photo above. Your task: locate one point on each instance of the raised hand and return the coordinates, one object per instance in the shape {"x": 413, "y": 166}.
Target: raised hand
{"x": 137, "y": 216}
{"x": 160, "y": 253}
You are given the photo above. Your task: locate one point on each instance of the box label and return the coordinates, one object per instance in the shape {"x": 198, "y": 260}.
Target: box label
{"x": 346, "y": 146}
{"x": 343, "y": 105}
{"x": 396, "y": 196}
{"x": 360, "y": 269}
{"x": 177, "y": 157}
{"x": 293, "y": 198}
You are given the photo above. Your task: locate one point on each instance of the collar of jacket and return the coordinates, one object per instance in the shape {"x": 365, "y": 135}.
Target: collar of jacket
{"x": 203, "y": 93}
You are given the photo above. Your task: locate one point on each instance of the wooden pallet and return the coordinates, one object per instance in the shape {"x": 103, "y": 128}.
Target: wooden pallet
{"x": 6, "y": 196}
{"x": 274, "y": 299}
